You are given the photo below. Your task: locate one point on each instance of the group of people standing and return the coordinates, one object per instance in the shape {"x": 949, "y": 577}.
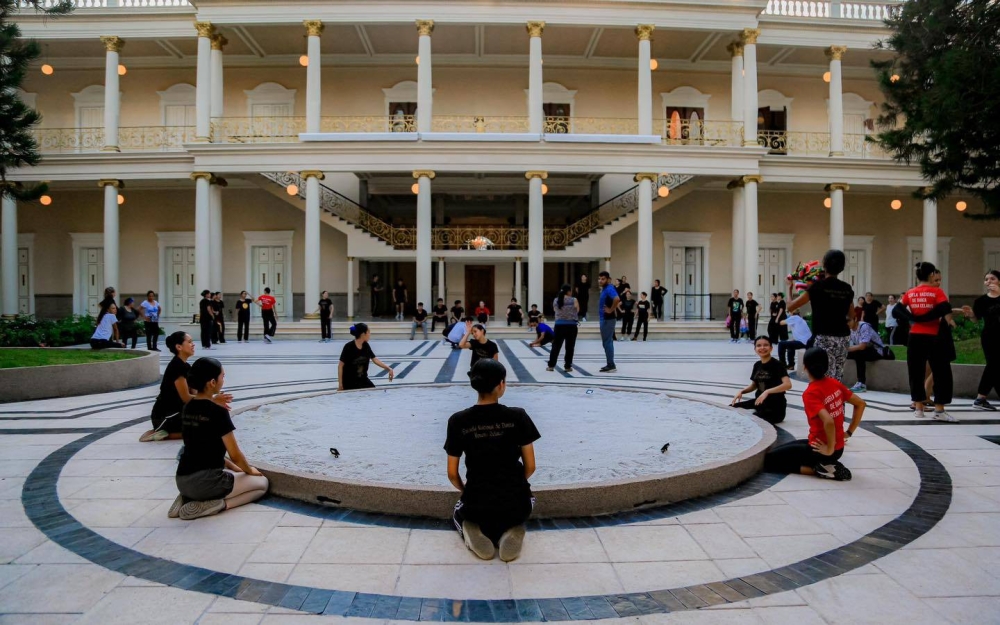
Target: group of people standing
{"x": 212, "y": 317}
{"x": 116, "y": 327}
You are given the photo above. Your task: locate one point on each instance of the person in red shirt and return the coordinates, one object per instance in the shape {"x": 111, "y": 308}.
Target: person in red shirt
{"x": 925, "y": 347}
{"x": 824, "y": 402}
{"x": 482, "y": 313}
{"x": 266, "y": 303}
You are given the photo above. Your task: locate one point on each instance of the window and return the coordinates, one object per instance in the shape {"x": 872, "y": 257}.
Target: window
{"x": 684, "y": 122}
{"x": 557, "y": 116}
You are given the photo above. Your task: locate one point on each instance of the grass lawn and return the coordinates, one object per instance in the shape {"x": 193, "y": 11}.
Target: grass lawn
{"x": 969, "y": 352}
{"x": 11, "y": 358}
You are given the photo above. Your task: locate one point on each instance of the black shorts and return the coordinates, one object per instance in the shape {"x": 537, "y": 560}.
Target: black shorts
{"x": 205, "y": 485}
{"x": 791, "y": 457}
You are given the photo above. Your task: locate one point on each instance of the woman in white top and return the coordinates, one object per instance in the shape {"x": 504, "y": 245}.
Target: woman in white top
{"x": 890, "y": 322}
{"x": 106, "y": 334}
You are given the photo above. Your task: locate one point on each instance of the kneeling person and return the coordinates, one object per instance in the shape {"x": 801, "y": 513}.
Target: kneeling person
{"x": 769, "y": 381}
{"x": 544, "y": 334}
{"x": 499, "y": 458}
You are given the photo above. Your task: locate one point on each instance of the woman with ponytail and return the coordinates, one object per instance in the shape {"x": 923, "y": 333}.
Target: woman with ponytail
{"x": 352, "y": 371}
{"x": 925, "y": 347}
{"x": 567, "y": 309}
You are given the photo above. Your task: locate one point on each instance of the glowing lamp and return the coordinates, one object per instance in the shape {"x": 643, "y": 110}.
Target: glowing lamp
{"x": 45, "y": 200}
{"x": 828, "y": 203}
{"x": 121, "y": 199}
{"x": 417, "y": 60}
{"x": 896, "y": 205}
{"x": 961, "y": 206}
{"x": 663, "y": 191}
{"x": 292, "y": 189}
{"x": 894, "y": 78}
{"x": 545, "y": 188}
{"x": 415, "y": 188}
{"x": 826, "y": 77}
{"x": 304, "y": 60}
{"x": 122, "y": 70}
{"x": 47, "y": 69}
{"x": 653, "y": 64}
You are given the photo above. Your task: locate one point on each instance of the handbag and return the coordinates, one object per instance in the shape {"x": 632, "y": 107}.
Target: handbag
{"x": 729, "y": 321}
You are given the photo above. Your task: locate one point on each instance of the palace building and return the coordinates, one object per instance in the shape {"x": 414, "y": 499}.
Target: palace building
{"x": 475, "y": 150}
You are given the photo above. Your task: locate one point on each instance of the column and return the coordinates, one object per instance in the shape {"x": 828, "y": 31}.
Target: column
{"x": 203, "y": 88}
{"x": 536, "y": 239}
{"x": 518, "y": 283}
{"x": 930, "y": 231}
{"x": 749, "y": 39}
{"x": 440, "y": 280}
{"x": 215, "y": 230}
{"x": 836, "y": 108}
{"x": 314, "y": 28}
{"x": 312, "y": 254}
{"x": 216, "y": 105}
{"x": 739, "y": 236}
{"x": 644, "y": 246}
{"x": 607, "y": 265}
{"x": 112, "y": 101}
{"x": 111, "y": 262}
{"x": 9, "y": 256}
{"x": 536, "y": 119}
{"x": 425, "y": 88}
{"x": 350, "y": 288}
{"x": 736, "y": 102}
{"x": 836, "y": 191}
{"x": 202, "y": 231}
{"x": 424, "y": 234}
{"x": 644, "y": 32}
{"x": 751, "y": 242}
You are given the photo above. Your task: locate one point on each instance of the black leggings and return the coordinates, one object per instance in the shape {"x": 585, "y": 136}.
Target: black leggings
{"x": 627, "y": 320}
{"x": 324, "y": 327}
{"x": 270, "y": 322}
{"x": 791, "y": 457}
{"x": 734, "y": 327}
{"x": 565, "y": 333}
{"x": 104, "y": 344}
{"x": 643, "y": 324}
{"x": 206, "y": 333}
{"x": 243, "y": 328}
{"x": 436, "y": 320}
{"x": 130, "y": 334}
{"x": 493, "y": 519}
{"x": 657, "y": 309}
{"x": 752, "y": 327}
{"x": 152, "y": 334}
{"x": 991, "y": 373}
{"x": 923, "y": 349}
{"x": 772, "y": 409}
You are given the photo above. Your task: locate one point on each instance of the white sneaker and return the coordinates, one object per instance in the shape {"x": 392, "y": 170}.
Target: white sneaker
{"x": 941, "y": 415}
{"x": 919, "y": 414}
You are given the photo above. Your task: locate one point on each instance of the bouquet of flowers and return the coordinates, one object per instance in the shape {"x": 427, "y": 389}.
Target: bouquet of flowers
{"x": 804, "y": 275}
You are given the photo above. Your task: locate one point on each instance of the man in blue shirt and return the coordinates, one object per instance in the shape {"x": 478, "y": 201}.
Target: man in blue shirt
{"x": 544, "y": 333}
{"x": 606, "y": 306}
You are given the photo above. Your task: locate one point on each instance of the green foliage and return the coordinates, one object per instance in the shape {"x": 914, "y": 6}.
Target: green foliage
{"x": 17, "y": 146}
{"x": 28, "y": 331}
{"x": 942, "y": 111}
{"x": 15, "y": 358}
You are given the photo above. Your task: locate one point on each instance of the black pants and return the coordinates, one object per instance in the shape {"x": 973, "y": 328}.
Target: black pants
{"x": 565, "y": 334}
{"x": 752, "y": 327}
{"x": 991, "y": 373}
{"x": 206, "y": 333}
{"x": 772, "y": 331}
{"x": 583, "y": 306}
{"x": 658, "y": 309}
{"x": 324, "y": 327}
{"x": 493, "y": 519}
{"x": 923, "y": 349}
{"x": 436, "y": 320}
{"x": 270, "y": 322}
{"x": 104, "y": 344}
{"x": 643, "y": 324}
{"x": 860, "y": 358}
{"x": 152, "y": 334}
{"x": 627, "y": 320}
{"x": 791, "y": 457}
{"x": 243, "y": 328}
{"x": 772, "y": 409}
{"x": 220, "y": 329}
{"x": 518, "y": 319}
{"x": 734, "y": 328}
{"x": 789, "y": 347}
{"x": 374, "y": 304}
{"x": 127, "y": 334}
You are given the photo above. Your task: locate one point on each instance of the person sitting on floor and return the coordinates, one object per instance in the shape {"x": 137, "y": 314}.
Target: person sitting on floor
{"x": 475, "y": 339}
{"x": 769, "y": 381}
{"x": 496, "y": 497}
{"x": 544, "y": 334}
{"x": 823, "y": 401}
{"x": 106, "y": 333}
{"x": 174, "y": 391}
{"x": 208, "y": 481}
{"x": 866, "y": 346}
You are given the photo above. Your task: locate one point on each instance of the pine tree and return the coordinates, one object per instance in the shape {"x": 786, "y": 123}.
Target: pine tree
{"x": 942, "y": 92}
{"x": 17, "y": 145}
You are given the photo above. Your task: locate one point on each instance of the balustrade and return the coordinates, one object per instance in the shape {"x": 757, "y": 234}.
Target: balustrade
{"x": 700, "y": 132}
{"x": 873, "y": 10}
{"x": 111, "y": 4}
{"x": 130, "y": 139}
{"x": 817, "y": 144}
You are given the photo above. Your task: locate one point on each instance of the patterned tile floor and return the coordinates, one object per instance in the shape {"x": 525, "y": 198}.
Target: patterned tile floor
{"x": 84, "y": 537}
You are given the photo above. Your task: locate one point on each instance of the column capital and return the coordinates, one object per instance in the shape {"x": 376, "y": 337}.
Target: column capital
{"x": 425, "y": 27}
{"x": 205, "y": 29}
{"x": 835, "y": 53}
{"x": 735, "y": 48}
{"x": 735, "y": 184}
{"x": 110, "y": 182}
{"x": 423, "y": 173}
{"x": 646, "y": 176}
{"x": 749, "y": 36}
{"x": 350, "y": 259}
{"x": 517, "y": 259}
{"x": 314, "y": 28}
{"x": 644, "y": 32}
{"x": 535, "y": 29}
{"x": 219, "y": 182}
{"x": 219, "y": 42}
{"x": 203, "y": 174}
{"x": 112, "y": 43}
{"x": 754, "y": 179}
{"x": 536, "y": 174}
{"x": 312, "y": 173}
{"x": 837, "y": 186}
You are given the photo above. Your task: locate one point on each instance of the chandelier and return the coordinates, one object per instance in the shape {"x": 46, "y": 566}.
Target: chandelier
{"x": 480, "y": 243}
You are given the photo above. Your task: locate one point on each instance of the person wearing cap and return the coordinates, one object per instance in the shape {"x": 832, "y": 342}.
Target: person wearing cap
{"x": 206, "y": 315}
{"x": 498, "y": 444}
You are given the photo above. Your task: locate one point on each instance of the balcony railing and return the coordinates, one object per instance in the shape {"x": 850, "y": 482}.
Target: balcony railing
{"x": 112, "y": 4}
{"x": 691, "y": 132}
{"x": 479, "y": 123}
{"x": 130, "y": 139}
{"x": 873, "y": 10}
{"x": 816, "y": 144}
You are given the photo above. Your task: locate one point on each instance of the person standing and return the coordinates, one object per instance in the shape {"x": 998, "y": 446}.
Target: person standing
{"x": 267, "y": 302}
{"x": 150, "y": 311}
{"x": 439, "y": 314}
{"x": 419, "y": 321}
{"x": 567, "y": 311}
{"x": 902, "y": 334}
{"x": 582, "y": 295}
{"x": 243, "y": 317}
{"x": 607, "y": 304}
{"x": 870, "y": 310}
{"x": 375, "y": 289}
{"x": 657, "y": 294}
{"x": 481, "y": 346}
{"x": 987, "y": 308}
{"x": 891, "y": 323}
{"x": 219, "y": 307}
{"x": 753, "y": 310}
{"x": 832, "y": 301}
{"x": 628, "y": 313}
{"x": 642, "y": 310}
{"x": 174, "y": 391}
{"x": 399, "y": 298}
{"x": 772, "y": 322}
{"x": 206, "y": 314}
{"x": 325, "y": 317}
{"x": 126, "y": 323}
{"x": 782, "y": 316}
{"x": 925, "y": 347}
{"x": 735, "y": 308}
{"x": 352, "y": 370}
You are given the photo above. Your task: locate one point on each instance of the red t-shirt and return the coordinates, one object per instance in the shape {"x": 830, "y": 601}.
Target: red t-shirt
{"x": 266, "y": 302}
{"x": 828, "y": 394}
{"x": 921, "y": 300}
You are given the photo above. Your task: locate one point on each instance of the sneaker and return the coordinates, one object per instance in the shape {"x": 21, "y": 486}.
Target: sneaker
{"x": 267, "y": 339}
{"x": 941, "y": 415}
{"x": 982, "y": 404}
{"x": 550, "y": 368}
{"x": 568, "y": 368}
{"x": 477, "y": 542}
{"x": 919, "y": 414}
{"x": 833, "y": 471}
{"x": 196, "y": 509}
{"x": 608, "y": 369}
{"x": 175, "y": 508}
{"x": 858, "y": 388}
{"x": 510, "y": 543}
{"x": 147, "y": 437}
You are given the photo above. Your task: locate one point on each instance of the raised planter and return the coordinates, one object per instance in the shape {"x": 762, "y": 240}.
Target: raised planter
{"x": 28, "y": 383}
{"x": 891, "y": 376}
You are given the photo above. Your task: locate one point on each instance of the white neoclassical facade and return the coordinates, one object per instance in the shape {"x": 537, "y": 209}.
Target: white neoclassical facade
{"x": 475, "y": 150}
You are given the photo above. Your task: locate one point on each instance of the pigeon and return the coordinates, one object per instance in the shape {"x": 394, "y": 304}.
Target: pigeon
{"x": 663, "y": 449}
{"x": 333, "y": 450}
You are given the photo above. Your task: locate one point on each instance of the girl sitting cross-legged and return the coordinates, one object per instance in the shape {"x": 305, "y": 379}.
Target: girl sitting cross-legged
{"x": 769, "y": 381}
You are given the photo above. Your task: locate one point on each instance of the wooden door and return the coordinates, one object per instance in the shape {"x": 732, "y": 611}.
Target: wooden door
{"x": 269, "y": 271}
{"x": 479, "y": 283}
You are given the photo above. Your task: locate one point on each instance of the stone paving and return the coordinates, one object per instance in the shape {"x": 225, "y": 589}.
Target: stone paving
{"x": 913, "y": 538}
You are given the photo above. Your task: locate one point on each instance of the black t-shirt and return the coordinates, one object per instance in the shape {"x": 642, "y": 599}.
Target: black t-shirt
{"x": 243, "y": 307}
{"x": 126, "y": 319}
{"x": 831, "y": 299}
{"x": 376, "y": 286}
{"x": 355, "y": 364}
{"x": 420, "y": 315}
{"x": 988, "y": 309}
{"x": 325, "y": 307}
{"x": 488, "y": 349}
{"x": 399, "y": 294}
{"x": 218, "y": 307}
{"x": 583, "y": 292}
{"x": 534, "y": 314}
{"x": 628, "y": 305}
{"x": 491, "y": 437}
{"x": 168, "y": 402}
{"x": 441, "y": 311}
{"x": 457, "y": 312}
{"x": 768, "y": 375}
{"x": 657, "y": 293}
{"x": 774, "y": 310}
{"x": 204, "y": 424}
{"x": 204, "y": 306}
{"x": 735, "y": 307}
{"x": 751, "y": 305}
{"x": 514, "y": 311}
{"x": 871, "y": 313}
{"x": 643, "y": 307}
